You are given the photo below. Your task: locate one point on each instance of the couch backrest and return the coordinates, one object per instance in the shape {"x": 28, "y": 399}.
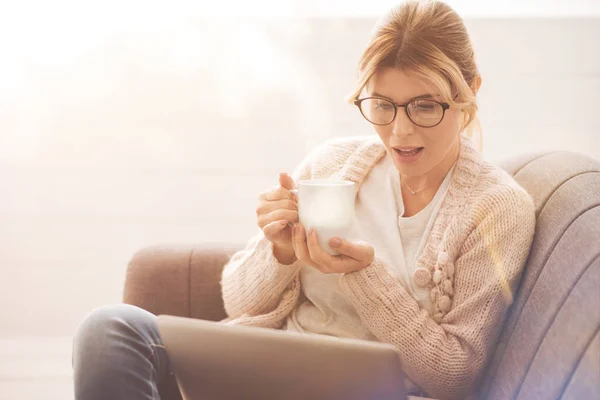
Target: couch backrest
{"x": 550, "y": 344}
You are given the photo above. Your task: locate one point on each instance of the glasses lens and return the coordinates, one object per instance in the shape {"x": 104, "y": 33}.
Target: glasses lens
{"x": 377, "y": 111}
{"x": 425, "y": 112}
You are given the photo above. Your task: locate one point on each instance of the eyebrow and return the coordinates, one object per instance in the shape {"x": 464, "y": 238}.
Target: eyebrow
{"x": 422, "y": 96}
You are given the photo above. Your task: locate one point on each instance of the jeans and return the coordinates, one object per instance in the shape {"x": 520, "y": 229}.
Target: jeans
{"x": 118, "y": 355}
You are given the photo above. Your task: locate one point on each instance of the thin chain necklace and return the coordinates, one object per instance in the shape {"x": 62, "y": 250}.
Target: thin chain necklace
{"x": 412, "y": 192}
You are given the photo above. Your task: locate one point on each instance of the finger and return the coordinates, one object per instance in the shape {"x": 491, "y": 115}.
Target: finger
{"x": 276, "y": 193}
{"x": 293, "y": 226}
{"x": 316, "y": 253}
{"x": 301, "y": 248}
{"x": 274, "y": 228}
{"x": 287, "y": 181}
{"x": 265, "y": 207}
{"x": 330, "y": 264}
{"x": 277, "y": 215}
{"x": 357, "y": 250}
{"x": 319, "y": 257}
{"x": 299, "y": 243}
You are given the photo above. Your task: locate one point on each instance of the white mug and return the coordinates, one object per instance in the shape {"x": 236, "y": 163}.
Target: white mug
{"x": 327, "y": 206}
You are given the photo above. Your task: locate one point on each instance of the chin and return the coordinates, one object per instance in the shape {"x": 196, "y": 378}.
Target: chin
{"x": 408, "y": 170}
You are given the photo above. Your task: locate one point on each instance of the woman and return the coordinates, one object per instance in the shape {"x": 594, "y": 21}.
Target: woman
{"x": 444, "y": 234}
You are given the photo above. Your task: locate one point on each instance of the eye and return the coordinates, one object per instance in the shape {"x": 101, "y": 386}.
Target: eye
{"x": 424, "y": 106}
{"x": 383, "y": 105}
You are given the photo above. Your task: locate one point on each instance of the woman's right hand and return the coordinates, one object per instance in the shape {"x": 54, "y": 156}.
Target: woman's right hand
{"x": 277, "y": 210}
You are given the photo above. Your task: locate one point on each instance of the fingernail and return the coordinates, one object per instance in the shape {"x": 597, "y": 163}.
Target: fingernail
{"x": 335, "y": 242}
{"x": 283, "y": 222}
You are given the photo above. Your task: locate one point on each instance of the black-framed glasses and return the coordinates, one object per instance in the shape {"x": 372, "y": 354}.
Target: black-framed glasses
{"x": 425, "y": 113}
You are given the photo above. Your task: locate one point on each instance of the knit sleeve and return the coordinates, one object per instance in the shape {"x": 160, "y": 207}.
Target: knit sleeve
{"x": 253, "y": 280}
{"x": 447, "y": 359}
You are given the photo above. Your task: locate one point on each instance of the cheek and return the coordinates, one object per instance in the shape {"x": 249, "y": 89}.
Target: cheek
{"x": 452, "y": 120}
{"x": 440, "y": 138}
{"x": 449, "y": 128}
{"x": 383, "y": 132}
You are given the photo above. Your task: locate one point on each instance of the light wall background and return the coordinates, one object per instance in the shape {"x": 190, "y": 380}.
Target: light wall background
{"x": 126, "y": 125}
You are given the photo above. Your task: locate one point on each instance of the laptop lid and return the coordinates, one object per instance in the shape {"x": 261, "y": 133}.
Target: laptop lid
{"x": 217, "y": 361}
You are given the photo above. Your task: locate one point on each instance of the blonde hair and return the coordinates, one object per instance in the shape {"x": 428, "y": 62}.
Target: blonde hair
{"x": 427, "y": 38}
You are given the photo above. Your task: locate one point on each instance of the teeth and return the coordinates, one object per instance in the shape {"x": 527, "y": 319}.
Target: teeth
{"x": 409, "y": 151}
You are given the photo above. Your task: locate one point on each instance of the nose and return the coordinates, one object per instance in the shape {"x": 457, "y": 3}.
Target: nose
{"x": 402, "y": 125}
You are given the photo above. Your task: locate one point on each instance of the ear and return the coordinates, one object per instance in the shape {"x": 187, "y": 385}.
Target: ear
{"x": 476, "y": 84}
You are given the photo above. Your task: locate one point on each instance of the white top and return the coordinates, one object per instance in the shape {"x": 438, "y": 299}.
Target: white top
{"x": 323, "y": 308}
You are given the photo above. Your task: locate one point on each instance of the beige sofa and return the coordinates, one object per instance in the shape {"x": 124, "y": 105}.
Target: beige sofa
{"x": 549, "y": 347}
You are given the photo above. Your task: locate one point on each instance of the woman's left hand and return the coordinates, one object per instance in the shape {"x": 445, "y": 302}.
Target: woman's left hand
{"x": 353, "y": 256}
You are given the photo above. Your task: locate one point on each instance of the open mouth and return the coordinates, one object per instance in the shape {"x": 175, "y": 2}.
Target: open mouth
{"x": 409, "y": 152}
{"x": 408, "y": 156}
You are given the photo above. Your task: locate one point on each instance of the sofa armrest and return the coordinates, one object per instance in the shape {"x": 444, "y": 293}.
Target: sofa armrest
{"x": 178, "y": 280}
{"x": 418, "y": 398}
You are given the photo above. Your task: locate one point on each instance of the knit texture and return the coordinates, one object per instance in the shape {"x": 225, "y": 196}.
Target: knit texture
{"x": 471, "y": 262}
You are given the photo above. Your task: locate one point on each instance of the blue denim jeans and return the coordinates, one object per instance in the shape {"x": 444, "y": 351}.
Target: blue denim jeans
{"x": 118, "y": 355}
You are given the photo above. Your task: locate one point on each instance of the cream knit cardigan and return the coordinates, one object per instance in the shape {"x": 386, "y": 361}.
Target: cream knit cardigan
{"x": 471, "y": 262}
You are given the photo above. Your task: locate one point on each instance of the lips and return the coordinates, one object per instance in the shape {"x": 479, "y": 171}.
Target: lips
{"x": 409, "y": 152}
{"x": 407, "y": 155}
{"x": 408, "y": 149}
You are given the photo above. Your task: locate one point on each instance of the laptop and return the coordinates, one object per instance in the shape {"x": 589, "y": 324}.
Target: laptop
{"x": 212, "y": 360}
